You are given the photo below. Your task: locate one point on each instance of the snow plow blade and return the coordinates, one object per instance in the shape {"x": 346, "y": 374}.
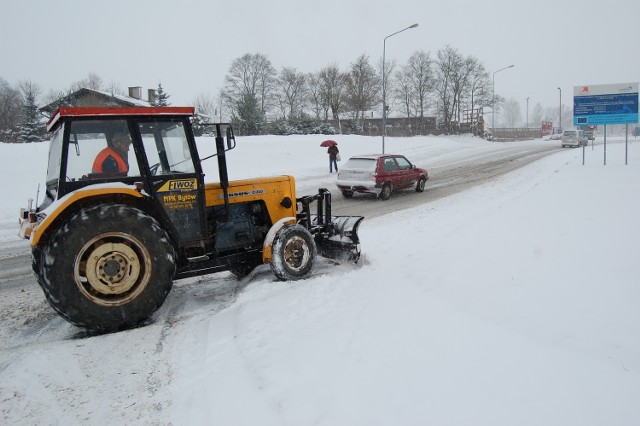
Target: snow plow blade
{"x": 340, "y": 240}
{"x": 336, "y": 237}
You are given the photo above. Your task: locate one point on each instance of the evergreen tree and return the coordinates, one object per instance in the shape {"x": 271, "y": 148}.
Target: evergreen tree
{"x": 161, "y": 98}
{"x": 249, "y": 117}
{"x": 29, "y": 129}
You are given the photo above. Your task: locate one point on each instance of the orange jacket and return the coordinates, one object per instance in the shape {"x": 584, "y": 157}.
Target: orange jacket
{"x": 108, "y": 160}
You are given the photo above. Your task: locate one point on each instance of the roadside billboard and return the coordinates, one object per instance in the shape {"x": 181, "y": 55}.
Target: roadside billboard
{"x": 605, "y": 104}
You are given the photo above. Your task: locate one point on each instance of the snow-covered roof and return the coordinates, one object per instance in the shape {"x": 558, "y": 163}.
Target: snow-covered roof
{"x": 123, "y": 98}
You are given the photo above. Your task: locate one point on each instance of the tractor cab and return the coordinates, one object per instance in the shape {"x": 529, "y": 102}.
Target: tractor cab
{"x": 128, "y": 145}
{"x": 151, "y": 150}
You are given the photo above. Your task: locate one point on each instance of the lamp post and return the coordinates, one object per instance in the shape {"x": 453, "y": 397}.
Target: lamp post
{"x": 493, "y": 100}
{"x": 527, "y": 112}
{"x": 560, "y": 122}
{"x": 384, "y": 83}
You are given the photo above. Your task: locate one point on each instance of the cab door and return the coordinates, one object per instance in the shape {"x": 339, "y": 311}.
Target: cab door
{"x": 175, "y": 178}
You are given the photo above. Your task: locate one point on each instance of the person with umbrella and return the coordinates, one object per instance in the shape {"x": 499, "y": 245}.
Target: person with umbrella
{"x": 333, "y": 152}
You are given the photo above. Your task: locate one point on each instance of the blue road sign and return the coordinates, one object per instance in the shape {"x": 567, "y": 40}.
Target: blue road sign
{"x": 605, "y": 104}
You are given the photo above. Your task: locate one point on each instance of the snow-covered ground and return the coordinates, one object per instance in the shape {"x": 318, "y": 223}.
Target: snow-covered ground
{"x": 513, "y": 303}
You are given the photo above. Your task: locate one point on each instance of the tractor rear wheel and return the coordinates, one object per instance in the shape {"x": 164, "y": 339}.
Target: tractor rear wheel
{"x": 293, "y": 253}
{"x": 107, "y": 267}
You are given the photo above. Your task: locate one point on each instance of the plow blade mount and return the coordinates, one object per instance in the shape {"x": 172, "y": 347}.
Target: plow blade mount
{"x": 338, "y": 239}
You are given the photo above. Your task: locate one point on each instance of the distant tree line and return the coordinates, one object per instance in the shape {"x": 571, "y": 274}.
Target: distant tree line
{"x": 259, "y": 99}
{"x": 256, "y": 95}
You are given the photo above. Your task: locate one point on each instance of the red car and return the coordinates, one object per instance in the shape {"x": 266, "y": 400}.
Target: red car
{"x": 379, "y": 174}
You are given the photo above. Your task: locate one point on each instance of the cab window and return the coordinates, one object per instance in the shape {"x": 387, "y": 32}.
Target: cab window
{"x": 100, "y": 149}
{"x": 166, "y": 147}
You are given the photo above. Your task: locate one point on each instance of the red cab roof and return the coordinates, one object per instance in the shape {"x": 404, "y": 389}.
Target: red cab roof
{"x": 116, "y": 111}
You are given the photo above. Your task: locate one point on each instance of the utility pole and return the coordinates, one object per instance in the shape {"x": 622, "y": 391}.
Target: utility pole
{"x": 493, "y": 96}
{"x": 384, "y": 83}
{"x": 560, "y": 123}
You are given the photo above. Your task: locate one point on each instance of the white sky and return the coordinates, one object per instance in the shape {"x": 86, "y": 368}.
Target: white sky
{"x": 189, "y": 45}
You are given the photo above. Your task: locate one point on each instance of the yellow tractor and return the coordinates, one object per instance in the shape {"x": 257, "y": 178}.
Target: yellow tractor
{"x": 126, "y": 211}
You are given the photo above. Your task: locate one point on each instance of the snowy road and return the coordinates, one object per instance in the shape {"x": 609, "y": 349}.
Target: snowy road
{"x": 448, "y": 175}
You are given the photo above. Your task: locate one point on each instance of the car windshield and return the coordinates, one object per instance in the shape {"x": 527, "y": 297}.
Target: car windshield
{"x": 360, "y": 163}
{"x": 570, "y": 133}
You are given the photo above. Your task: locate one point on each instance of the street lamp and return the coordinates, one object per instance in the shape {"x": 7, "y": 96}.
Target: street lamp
{"x": 560, "y": 122}
{"x": 493, "y": 101}
{"x": 384, "y": 83}
{"x": 527, "y": 112}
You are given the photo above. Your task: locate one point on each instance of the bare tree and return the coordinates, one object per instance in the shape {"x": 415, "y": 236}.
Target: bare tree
{"x": 387, "y": 82}
{"x": 536, "y": 118}
{"x": 477, "y": 92}
{"x": 362, "y": 86}
{"x": 404, "y": 91}
{"x": 205, "y": 106}
{"x": 512, "y": 116}
{"x": 414, "y": 85}
{"x": 291, "y": 94}
{"x": 460, "y": 82}
{"x": 10, "y": 103}
{"x": 332, "y": 90}
{"x": 446, "y": 65}
{"x": 314, "y": 93}
{"x": 249, "y": 91}
{"x": 93, "y": 82}
{"x": 114, "y": 88}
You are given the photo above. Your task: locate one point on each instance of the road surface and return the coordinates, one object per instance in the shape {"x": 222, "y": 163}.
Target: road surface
{"x": 27, "y": 317}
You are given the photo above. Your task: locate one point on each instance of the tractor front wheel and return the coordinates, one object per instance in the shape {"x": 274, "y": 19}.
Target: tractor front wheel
{"x": 107, "y": 267}
{"x": 293, "y": 253}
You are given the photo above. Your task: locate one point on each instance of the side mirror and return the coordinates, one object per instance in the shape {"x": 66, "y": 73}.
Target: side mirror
{"x": 231, "y": 139}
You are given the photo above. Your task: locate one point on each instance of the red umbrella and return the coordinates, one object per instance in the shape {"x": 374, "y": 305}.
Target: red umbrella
{"x": 328, "y": 142}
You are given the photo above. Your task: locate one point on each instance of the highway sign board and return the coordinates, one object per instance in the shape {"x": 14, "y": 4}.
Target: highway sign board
{"x": 605, "y": 104}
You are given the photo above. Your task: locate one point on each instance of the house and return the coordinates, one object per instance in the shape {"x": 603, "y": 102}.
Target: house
{"x": 90, "y": 97}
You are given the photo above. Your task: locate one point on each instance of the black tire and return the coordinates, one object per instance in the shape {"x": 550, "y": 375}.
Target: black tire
{"x": 347, "y": 194}
{"x": 385, "y": 194}
{"x": 107, "y": 267}
{"x": 421, "y": 183}
{"x": 293, "y": 253}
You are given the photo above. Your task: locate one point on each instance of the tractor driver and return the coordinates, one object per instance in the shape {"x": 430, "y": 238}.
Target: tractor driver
{"x": 115, "y": 157}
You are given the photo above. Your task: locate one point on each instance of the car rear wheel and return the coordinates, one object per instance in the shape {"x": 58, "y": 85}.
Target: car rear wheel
{"x": 385, "y": 194}
{"x": 347, "y": 194}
